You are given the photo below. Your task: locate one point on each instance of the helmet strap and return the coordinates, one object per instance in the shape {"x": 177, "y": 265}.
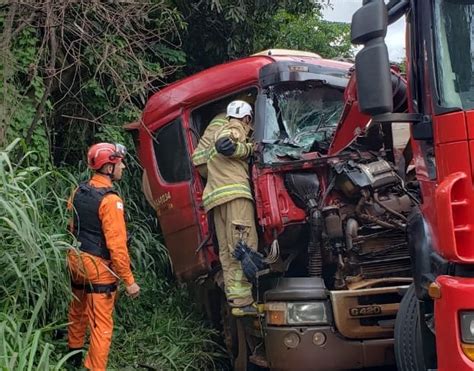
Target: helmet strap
{"x": 111, "y": 175}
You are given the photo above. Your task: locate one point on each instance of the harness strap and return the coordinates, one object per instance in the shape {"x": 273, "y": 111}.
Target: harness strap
{"x": 95, "y": 288}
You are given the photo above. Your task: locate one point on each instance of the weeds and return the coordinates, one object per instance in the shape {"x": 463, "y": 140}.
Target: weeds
{"x": 158, "y": 330}
{"x": 170, "y": 334}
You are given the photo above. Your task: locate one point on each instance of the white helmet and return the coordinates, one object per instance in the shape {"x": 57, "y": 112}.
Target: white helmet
{"x": 239, "y": 109}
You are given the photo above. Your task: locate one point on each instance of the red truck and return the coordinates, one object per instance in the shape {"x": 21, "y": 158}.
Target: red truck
{"x": 331, "y": 210}
{"x": 435, "y": 325}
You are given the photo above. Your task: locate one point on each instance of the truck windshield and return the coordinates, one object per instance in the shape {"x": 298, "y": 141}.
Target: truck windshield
{"x": 298, "y": 114}
{"x": 454, "y": 43}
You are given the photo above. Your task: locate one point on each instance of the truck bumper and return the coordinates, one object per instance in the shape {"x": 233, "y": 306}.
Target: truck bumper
{"x": 457, "y": 294}
{"x": 336, "y": 353}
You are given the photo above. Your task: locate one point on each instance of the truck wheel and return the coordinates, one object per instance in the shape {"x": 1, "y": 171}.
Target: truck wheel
{"x": 408, "y": 343}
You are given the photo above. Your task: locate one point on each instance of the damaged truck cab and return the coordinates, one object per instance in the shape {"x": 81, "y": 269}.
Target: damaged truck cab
{"x": 331, "y": 210}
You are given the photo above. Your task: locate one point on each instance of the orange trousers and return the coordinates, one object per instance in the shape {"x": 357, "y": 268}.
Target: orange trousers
{"x": 93, "y": 310}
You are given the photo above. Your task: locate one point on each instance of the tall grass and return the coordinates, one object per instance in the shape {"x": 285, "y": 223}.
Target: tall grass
{"x": 31, "y": 263}
{"x": 158, "y": 330}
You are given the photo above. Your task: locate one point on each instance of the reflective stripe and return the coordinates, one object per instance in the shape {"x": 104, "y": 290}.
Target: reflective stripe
{"x": 238, "y": 292}
{"x": 239, "y": 287}
{"x": 241, "y": 150}
{"x": 212, "y": 152}
{"x": 200, "y": 155}
{"x": 218, "y": 122}
{"x": 225, "y": 191}
{"x": 225, "y": 133}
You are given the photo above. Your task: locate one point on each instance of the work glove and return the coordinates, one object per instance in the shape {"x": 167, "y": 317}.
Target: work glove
{"x": 225, "y": 146}
{"x": 252, "y": 262}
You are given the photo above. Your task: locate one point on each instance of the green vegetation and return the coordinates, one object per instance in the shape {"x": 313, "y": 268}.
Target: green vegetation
{"x": 309, "y": 32}
{"x": 35, "y": 289}
{"x": 219, "y": 30}
{"x": 71, "y": 74}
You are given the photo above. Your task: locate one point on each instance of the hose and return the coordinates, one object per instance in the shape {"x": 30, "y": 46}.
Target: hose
{"x": 372, "y": 219}
{"x": 315, "y": 260}
{"x": 351, "y": 232}
{"x": 274, "y": 253}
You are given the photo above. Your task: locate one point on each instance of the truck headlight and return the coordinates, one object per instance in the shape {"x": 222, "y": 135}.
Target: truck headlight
{"x": 466, "y": 322}
{"x": 467, "y": 327}
{"x": 297, "y": 313}
{"x": 307, "y": 313}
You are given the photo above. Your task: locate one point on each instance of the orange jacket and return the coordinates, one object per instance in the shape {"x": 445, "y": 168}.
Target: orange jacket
{"x": 111, "y": 214}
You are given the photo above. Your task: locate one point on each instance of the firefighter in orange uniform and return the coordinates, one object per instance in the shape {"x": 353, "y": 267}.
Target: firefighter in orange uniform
{"x": 101, "y": 258}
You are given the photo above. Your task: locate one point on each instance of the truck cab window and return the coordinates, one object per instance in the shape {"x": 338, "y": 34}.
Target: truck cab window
{"x": 202, "y": 116}
{"x": 454, "y": 36}
{"x": 171, "y": 154}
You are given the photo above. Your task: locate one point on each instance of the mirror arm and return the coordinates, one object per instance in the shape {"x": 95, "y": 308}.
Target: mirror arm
{"x": 396, "y": 9}
{"x": 398, "y": 117}
{"x": 422, "y": 125}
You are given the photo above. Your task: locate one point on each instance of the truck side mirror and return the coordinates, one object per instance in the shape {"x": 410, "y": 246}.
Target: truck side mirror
{"x": 374, "y": 86}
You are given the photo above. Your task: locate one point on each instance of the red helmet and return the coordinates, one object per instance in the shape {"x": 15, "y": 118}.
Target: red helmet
{"x": 105, "y": 153}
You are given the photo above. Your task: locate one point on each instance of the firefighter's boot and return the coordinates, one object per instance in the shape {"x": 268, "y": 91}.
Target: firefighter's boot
{"x": 248, "y": 310}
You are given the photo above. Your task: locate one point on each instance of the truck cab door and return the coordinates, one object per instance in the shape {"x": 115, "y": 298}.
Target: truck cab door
{"x": 165, "y": 153}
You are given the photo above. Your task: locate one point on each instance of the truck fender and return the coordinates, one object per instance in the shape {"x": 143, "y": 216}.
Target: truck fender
{"x": 426, "y": 263}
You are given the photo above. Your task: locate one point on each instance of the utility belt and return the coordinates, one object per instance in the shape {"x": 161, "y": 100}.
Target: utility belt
{"x": 95, "y": 288}
{"x": 91, "y": 248}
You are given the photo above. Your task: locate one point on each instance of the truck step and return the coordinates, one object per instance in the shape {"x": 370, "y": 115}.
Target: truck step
{"x": 259, "y": 360}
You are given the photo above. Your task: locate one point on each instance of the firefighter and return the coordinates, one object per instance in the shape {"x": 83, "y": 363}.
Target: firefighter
{"x": 228, "y": 195}
{"x": 206, "y": 142}
{"x": 201, "y": 153}
{"x": 101, "y": 258}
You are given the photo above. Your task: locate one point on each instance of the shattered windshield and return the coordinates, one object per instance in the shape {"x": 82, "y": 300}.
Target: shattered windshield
{"x": 301, "y": 117}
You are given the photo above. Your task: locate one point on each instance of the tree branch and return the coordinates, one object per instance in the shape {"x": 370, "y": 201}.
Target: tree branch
{"x": 50, "y": 73}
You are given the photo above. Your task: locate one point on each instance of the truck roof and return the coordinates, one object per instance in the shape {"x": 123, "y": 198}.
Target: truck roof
{"x": 218, "y": 81}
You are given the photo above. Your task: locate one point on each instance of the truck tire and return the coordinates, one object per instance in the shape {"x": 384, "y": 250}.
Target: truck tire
{"x": 408, "y": 343}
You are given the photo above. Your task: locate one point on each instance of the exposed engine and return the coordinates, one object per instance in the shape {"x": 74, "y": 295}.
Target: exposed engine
{"x": 357, "y": 222}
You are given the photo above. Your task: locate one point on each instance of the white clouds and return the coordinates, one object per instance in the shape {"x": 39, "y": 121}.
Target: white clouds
{"x": 342, "y": 10}
{"x": 395, "y": 40}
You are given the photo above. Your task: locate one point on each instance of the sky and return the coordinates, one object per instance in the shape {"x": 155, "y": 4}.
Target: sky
{"x": 342, "y": 10}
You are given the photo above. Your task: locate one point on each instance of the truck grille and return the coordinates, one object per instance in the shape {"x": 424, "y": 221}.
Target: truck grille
{"x": 366, "y": 313}
{"x": 385, "y": 255}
